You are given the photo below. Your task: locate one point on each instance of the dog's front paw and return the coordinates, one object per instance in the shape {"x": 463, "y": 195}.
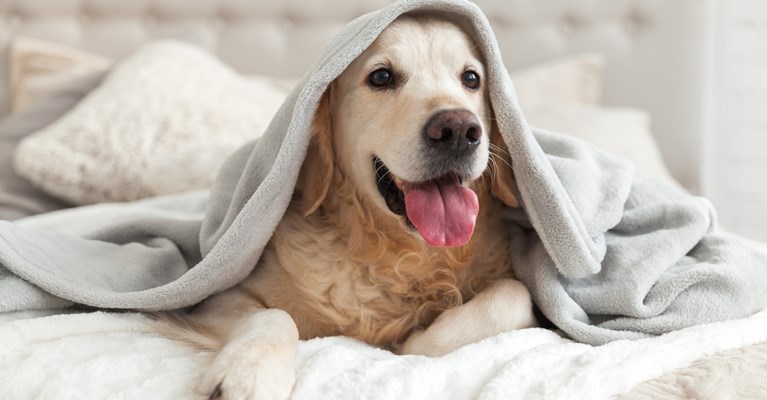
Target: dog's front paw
{"x": 257, "y": 362}
{"x": 438, "y": 340}
{"x": 505, "y": 305}
{"x": 261, "y": 373}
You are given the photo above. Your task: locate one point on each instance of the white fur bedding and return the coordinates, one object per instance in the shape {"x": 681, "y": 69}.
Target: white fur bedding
{"x": 733, "y": 374}
{"x": 114, "y": 356}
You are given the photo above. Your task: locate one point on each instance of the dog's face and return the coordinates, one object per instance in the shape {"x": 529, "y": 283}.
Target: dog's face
{"x": 416, "y": 100}
{"x": 410, "y": 124}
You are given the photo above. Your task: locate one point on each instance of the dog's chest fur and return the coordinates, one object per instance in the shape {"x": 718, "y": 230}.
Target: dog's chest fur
{"x": 364, "y": 276}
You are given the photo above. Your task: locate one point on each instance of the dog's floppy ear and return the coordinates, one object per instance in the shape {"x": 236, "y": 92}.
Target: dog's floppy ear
{"x": 503, "y": 185}
{"x": 317, "y": 170}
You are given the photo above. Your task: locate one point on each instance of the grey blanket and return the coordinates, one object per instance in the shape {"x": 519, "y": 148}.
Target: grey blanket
{"x": 604, "y": 258}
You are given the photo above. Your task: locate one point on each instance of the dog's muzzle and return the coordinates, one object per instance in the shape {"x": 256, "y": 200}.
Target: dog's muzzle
{"x": 438, "y": 206}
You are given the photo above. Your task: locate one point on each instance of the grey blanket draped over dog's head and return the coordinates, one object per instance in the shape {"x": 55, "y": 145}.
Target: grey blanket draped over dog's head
{"x": 605, "y": 258}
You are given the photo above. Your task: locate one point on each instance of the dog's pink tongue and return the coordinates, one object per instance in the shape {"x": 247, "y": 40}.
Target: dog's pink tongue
{"x": 443, "y": 211}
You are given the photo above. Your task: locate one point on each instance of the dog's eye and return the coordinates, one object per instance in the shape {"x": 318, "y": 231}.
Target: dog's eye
{"x": 381, "y": 78}
{"x": 470, "y": 79}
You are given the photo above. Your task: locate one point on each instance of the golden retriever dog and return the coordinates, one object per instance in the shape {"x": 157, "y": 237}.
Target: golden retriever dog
{"x": 393, "y": 235}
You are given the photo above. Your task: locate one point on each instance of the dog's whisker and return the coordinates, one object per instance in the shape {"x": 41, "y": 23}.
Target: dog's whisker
{"x": 503, "y": 159}
{"x": 499, "y": 150}
{"x": 378, "y": 170}
{"x": 496, "y": 151}
{"x": 489, "y": 175}
{"x": 506, "y": 163}
{"x": 383, "y": 177}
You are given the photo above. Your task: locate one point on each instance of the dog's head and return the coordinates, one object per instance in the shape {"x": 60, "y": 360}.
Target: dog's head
{"x": 409, "y": 122}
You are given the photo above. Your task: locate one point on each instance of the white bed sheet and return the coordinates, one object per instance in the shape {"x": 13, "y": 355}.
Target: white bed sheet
{"x": 116, "y": 356}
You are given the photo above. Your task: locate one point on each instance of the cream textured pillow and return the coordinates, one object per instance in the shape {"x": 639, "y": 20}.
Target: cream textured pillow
{"x": 622, "y": 131}
{"x": 166, "y": 118}
{"x": 163, "y": 121}
{"x": 39, "y": 68}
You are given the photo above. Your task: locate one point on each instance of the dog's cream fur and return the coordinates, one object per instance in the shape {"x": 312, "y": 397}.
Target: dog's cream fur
{"x": 341, "y": 263}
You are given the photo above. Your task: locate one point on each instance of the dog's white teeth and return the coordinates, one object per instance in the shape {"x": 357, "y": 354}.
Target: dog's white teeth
{"x": 399, "y": 182}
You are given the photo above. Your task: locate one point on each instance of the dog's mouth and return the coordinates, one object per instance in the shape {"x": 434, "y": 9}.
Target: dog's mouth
{"x": 442, "y": 210}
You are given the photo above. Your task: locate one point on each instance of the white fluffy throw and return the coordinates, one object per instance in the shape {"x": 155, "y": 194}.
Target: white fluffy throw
{"x": 113, "y": 356}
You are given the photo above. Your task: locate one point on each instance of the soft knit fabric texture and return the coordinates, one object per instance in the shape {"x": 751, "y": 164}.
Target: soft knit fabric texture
{"x": 605, "y": 259}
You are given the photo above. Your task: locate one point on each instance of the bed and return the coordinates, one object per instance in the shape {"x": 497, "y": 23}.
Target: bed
{"x": 580, "y": 67}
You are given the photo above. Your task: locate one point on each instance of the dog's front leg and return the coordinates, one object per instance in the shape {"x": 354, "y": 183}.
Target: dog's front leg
{"x": 503, "y": 306}
{"x": 258, "y": 361}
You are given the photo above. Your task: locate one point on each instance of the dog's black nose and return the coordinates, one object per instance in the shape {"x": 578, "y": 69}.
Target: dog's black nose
{"x": 457, "y": 131}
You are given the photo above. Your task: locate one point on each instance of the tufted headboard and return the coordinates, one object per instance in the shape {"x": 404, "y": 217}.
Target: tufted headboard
{"x": 655, "y": 49}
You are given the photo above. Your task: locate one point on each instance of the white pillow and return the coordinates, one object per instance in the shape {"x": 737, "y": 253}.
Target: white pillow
{"x": 166, "y": 118}
{"x": 622, "y": 131}
{"x": 162, "y": 121}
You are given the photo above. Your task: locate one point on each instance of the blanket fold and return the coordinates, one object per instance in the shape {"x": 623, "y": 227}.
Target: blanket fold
{"x": 605, "y": 258}
{"x": 664, "y": 264}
